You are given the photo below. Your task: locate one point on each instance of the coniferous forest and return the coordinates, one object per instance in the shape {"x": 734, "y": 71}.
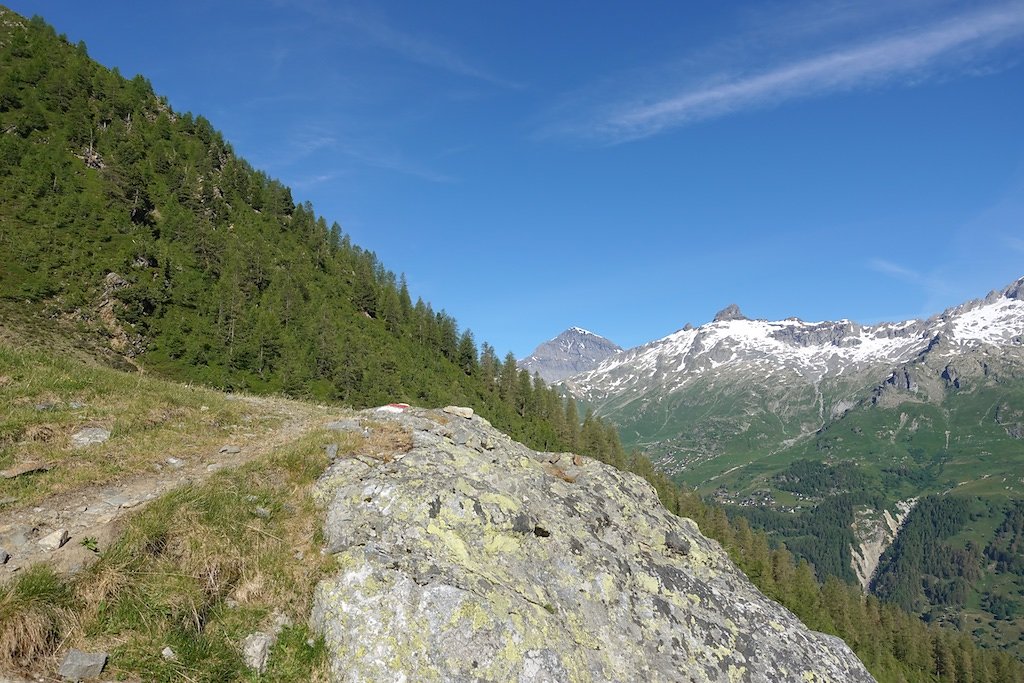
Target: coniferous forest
{"x": 139, "y": 224}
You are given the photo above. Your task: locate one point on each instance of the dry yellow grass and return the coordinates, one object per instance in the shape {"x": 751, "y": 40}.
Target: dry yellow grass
{"x": 385, "y": 440}
{"x": 45, "y": 400}
{"x": 556, "y": 471}
{"x": 35, "y": 614}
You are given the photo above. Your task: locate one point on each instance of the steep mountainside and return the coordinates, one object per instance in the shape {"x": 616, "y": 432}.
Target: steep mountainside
{"x": 138, "y": 226}
{"x": 573, "y": 351}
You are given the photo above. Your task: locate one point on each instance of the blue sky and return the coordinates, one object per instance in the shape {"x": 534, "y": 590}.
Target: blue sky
{"x": 624, "y": 167}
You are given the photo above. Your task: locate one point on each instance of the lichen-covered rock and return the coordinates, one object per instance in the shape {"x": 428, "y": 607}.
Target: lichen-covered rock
{"x": 458, "y": 563}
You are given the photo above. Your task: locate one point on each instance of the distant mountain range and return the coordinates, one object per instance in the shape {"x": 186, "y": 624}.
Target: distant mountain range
{"x": 575, "y": 350}
{"x": 755, "y": 386}
{"x": 829, "y": 433}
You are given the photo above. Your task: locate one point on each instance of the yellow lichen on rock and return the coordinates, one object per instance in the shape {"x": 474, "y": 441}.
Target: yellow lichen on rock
{"x": 465, "y": 560}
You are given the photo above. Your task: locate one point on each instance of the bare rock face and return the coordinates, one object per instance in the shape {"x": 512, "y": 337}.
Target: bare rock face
{"x": 573, "y": 351}
{"x": 730, "y": 312}
{"x": 466, "y": 562}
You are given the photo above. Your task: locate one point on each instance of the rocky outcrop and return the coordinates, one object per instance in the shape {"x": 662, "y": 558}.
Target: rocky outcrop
{"x": 1015, "y": 290}
{"x": 730, "y": 312}
{"x": 472, "y": 558}
{"x": 874, "y": 534}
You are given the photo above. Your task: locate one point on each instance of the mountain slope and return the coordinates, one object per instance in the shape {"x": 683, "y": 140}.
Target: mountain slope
{"x": 573, "y": 351}
{"x": 739, "y": 386}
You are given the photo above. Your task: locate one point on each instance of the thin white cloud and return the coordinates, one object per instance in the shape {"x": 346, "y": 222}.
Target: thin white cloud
{"x": 311, "y": 181}
{"x": 396, "y": 162}
{"x": 916, "y": 55}
{"x": 895, "y": 270}
{"x": 310, "y": 145}
{"x": 416, "y": 48}
{"x": 936, "y": 288}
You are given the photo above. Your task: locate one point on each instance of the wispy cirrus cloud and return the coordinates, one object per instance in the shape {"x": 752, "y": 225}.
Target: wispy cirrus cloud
{"x": 319, "y": 146}
{"x": 935, "y": 287}
{"x": 895, "y": 270}
{"x": 390, "y": 160}
{"x": 375, "y": 30}
{"x": 921, "y": 53}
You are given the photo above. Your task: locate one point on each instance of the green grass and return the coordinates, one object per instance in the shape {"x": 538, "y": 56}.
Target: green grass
{"x": 196, "y": 570}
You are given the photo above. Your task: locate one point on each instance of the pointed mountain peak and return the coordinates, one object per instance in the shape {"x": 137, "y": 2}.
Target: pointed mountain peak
{"x": 730, "y": 312}
{"x": 573, "y": 351}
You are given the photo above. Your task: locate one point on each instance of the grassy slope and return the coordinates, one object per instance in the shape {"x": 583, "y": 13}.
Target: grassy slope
{"x": 45, "y": 399}
{"x": 196, "y": 570}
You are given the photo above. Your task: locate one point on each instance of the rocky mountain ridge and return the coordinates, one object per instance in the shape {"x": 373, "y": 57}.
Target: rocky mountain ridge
{"x": 811, "y": 350}
{"x": 471, "y": 557}
{"x": 573, "y": 351}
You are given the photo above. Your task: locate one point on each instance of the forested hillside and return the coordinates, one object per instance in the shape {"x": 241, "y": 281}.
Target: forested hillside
{"x": 137, "y": 223}
{"x": 140, "y": 222}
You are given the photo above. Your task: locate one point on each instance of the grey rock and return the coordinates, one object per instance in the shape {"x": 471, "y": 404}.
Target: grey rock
{"x": 214, "y": 466}
{"x": 346, "y": 425}
{"x": 806, "y": 335}
{"x": 230, "y": 450}
{"x": 457, "y": 565}
{"x": 175, "y": 463}
{"x": 122, "y": 500}
{"x": 55, "y": 540}
{"x": 281, "y": 621}
{"x": 89, "y": 436}
{"x": 262, "y": 513}
{"x": 677, "y": 543}
{"x": 256, "y": 650}
{"x": 332, "y": 450}
{"x": 79, "y": 665}
{"x": 25, "y": 468}
{"x": 46, "y": 406}
{"x": 459, "y": 411}
{"x": 4, "y": 556}
{"x": 468, "y": 438}
{"x": 573, "y": 351}
{"x": 730, "y": 312}
{"x": 76, "y": 405}
{"x": 168, "y": 654}
{"x": 115, "y": 281}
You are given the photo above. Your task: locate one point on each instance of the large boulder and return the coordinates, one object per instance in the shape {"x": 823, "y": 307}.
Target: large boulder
{"x": 460, "y": 563}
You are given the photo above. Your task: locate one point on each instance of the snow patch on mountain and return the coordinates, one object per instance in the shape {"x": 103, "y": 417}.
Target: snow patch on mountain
{"x": 811, "y": 350}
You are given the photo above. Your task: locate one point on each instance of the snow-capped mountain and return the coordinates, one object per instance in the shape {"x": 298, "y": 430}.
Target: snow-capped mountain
{"x": 571, "y": 352}
{"x": 813, "y": 350}
{"x": 754, "y": 385}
